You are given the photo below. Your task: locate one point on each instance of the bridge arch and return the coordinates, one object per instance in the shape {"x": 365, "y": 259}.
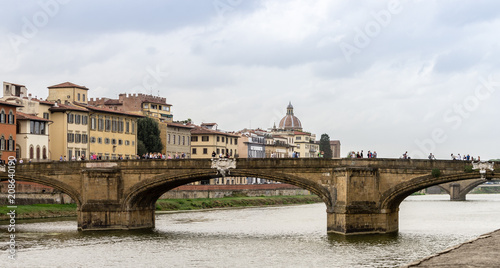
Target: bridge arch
{"x": 392, "y": 198}
{"x": 146, "y": 193}
{"x": 56, "y": 184}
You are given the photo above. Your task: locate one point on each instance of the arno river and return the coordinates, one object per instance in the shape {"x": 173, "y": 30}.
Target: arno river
{"x": 292, "y": 236}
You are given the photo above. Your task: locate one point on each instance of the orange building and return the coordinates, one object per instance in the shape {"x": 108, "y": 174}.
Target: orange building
{"x": 7, "y": 130}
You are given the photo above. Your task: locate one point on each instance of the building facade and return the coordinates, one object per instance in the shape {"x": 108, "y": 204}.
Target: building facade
{"x": 7, "y": 130}
{"x": 32, "y": 137}
{"x": 177, "y": 140}
{"x": 113, "y": 134}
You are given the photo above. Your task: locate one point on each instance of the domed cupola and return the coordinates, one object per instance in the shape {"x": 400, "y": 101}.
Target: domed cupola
{"x": 290, "y": 121}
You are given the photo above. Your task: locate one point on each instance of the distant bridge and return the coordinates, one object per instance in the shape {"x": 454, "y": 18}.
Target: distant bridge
{"x": 361, "y": 195}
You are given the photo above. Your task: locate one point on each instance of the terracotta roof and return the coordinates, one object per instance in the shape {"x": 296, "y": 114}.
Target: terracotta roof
{"x": 64, "y": 107}
{"x": 23, "y": 116}
{"x": 67, "y": 84}
{"x": 108, "y": 110}
{"x": 179, "y": 125}
{"x": 10, "y": 104}
{"x": 301, "y": 133}
{"x": 201, "y": 130}
{"x": 113, "y": 102}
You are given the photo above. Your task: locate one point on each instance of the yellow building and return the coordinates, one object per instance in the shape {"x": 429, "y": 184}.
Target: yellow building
{"x": 206, "y": 142}
{"x": 113, "y": 134}
{"x": 68, "y": 92}
{"x": 68, "y": 135}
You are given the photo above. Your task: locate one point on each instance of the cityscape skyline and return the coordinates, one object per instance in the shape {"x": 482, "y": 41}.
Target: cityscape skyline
{"x": 391, "y": 77}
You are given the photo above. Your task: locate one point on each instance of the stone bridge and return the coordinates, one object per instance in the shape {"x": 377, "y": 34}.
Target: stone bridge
{"x": 361, "y": 195}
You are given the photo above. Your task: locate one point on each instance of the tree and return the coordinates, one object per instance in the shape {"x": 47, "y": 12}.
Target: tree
{"x": 324, "y": 146}
{"x": 148, "y": 132}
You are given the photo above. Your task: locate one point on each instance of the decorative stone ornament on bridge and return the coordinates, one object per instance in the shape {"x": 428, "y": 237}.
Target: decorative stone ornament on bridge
{"x": 483, "y": 166}
{"x": 361, "y": 196}
{"x": 223, "y": 165}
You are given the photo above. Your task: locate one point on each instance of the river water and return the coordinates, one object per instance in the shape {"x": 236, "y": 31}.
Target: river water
{"x": 291, "y": 236}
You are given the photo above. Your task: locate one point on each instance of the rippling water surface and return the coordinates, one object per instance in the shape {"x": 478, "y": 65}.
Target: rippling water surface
{"x": 292, "y": 236}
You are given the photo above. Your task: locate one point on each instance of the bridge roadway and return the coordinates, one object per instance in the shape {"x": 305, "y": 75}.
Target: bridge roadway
{"x": 361, "y": 195}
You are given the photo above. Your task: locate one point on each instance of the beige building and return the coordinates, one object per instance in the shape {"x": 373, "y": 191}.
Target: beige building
{"x": 69, "y": 135}
{"x": 177, "y": 140}
{"x": 113, "y": 134}
{"x": 206, "y": 142}
{"x": 32, "y": 137}
{"x": 68, "y": 92}
{"x": 277, "y": 147}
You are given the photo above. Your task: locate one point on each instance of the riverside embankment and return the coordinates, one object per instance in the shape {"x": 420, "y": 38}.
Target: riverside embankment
{"x": 480, "y": 252}
{"x": 68, "y": 210}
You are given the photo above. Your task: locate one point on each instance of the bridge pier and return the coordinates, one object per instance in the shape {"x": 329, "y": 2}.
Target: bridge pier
{"x": 363, "y": 223}
{"x": 102, "y": 219}
{"x": 455, "y": 194}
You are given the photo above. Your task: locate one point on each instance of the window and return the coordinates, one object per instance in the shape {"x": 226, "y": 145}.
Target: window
{"x": 46, "y": 115}
{"x": 120, "y": 142}
{"x": 127, "y": 143}
{"x": 10, "y": 144}
{"x": 85, "y": 138}
{"x": 100, "y": 124}
{"x": 106, "y": 141}
{"x": 205, "y": 151}
{"x": 38, "y": 152}
{"x": 222, "y": 139}
{"x": 218, "y": 138}
{"x": 108, "y": 124}
{"x": 183, "y": 140}
{"x": 99, "y": 140}
{"x": 168, "y": 138}
{"x": 11, "y": 118}
{"x": 92, "y": 139}
{"x": 2, "y": 143}
{"x": 78, "y": 96}
{"x": 71, "y": 118}
{"x": 298, "y": 138}
{"x": 78, "y": 137}
{"x": 32, "y": 154}
{"x": 85, "y": 120}
{"x": 44, "y": 152}
{"x": 204, "y": 138}
{"x": 92, "y": 123}
{"x": 114, "y": 125}
{"x": 133, "y": 127}
{"x": 113, "y": 141}
{"x": 236, "y": 141}
{"x": 78, "y": 118}
{"x": 165, "y": 108}
{"x": 120, "y": 126}
{"x": 173, "y": 139}
{"x": 2, "y": 117}
{"x": 42, "y": 128}
{"x": 145, "y": 106}
{"x": 194, "y": 138}
{"x": 71, "y": 137}
{"x": 83, "y": 98}
{"x": 127, "y": 127}
{"x": 194, "y": 151}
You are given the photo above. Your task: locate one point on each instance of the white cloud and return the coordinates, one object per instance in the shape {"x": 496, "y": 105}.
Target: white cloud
{"x": 242, "y": 66}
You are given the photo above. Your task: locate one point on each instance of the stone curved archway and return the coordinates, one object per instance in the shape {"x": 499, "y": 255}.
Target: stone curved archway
{"x": 146, "y": 193}
{"x": 58, "y": 185}
{"x": 392, "y": 198}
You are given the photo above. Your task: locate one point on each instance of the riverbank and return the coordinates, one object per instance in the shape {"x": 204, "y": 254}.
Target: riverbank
{"x": 39, "y": 211}
{"x": 480, "y": 252}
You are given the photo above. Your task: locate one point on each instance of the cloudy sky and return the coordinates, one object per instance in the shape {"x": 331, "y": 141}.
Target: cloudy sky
{"x": 389, "y": 76}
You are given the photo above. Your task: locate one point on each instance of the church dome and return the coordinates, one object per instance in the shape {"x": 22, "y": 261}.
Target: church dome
{"x": 290, "y": 121}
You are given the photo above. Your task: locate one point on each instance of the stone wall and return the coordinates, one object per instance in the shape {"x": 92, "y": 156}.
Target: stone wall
{"x": 219, "y": 191}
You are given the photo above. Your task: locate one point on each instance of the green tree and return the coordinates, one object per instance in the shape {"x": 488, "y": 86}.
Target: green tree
{"x": 324, "y": 146}
{"x": 148, "y": 132}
